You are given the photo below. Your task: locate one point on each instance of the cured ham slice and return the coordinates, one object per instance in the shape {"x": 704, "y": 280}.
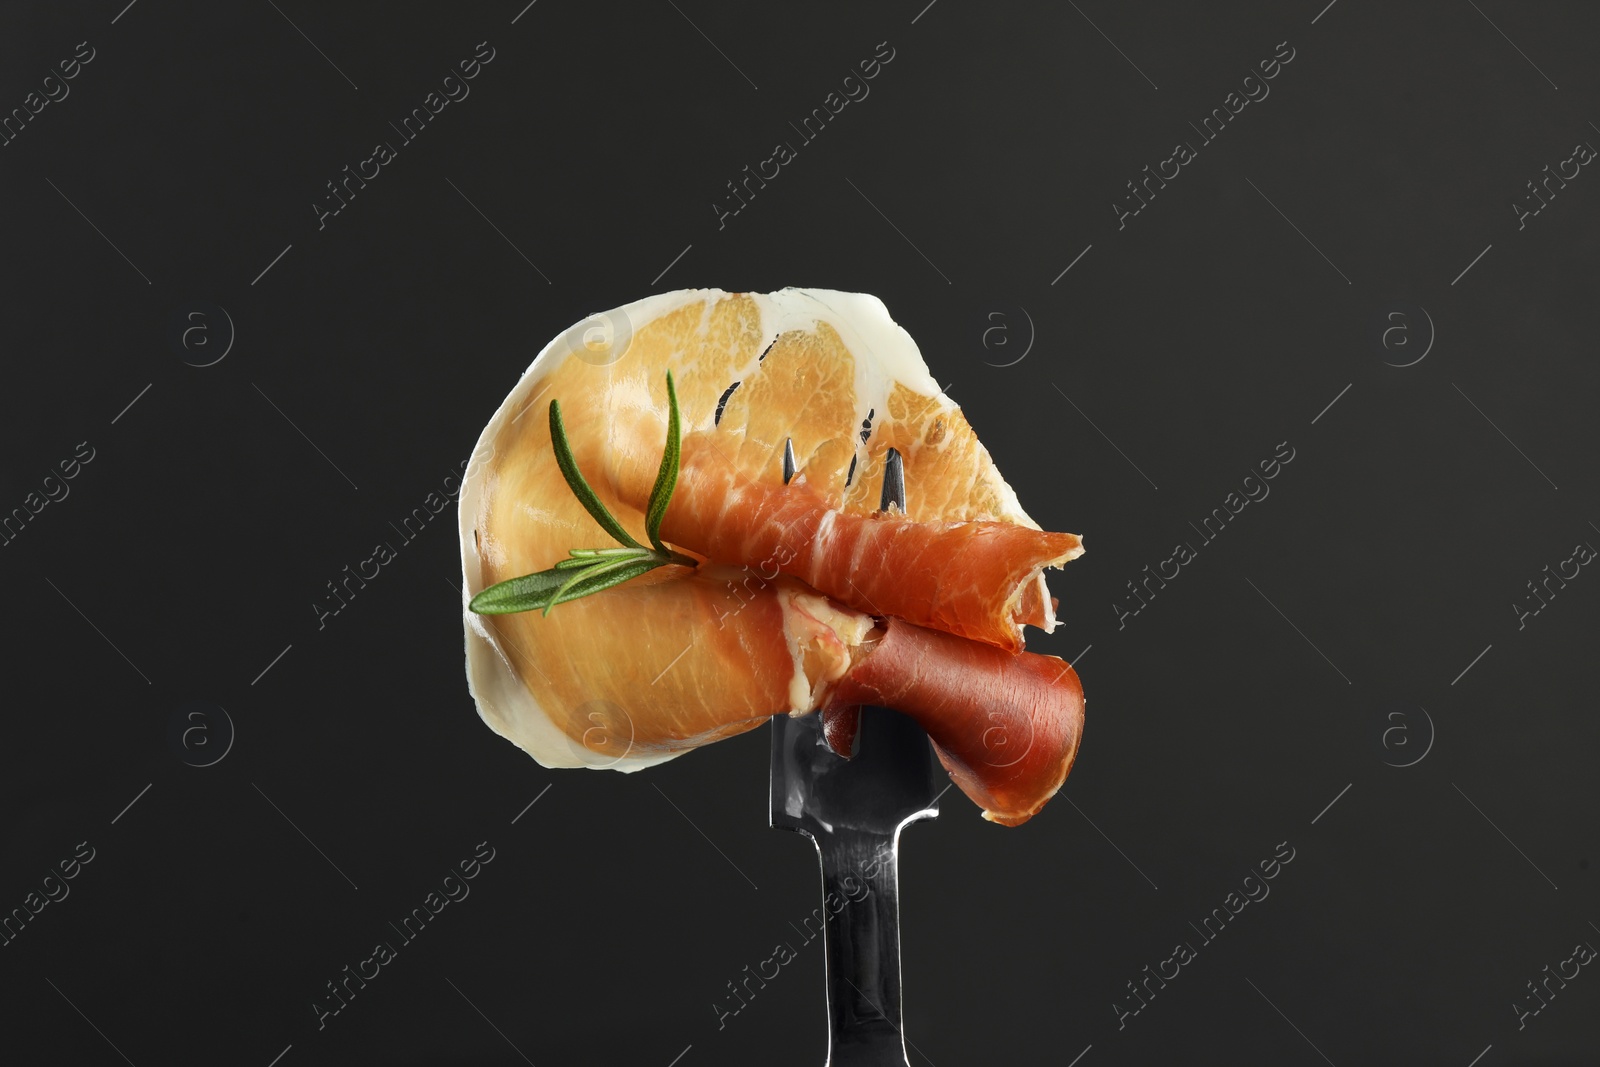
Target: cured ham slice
{"x": 1006, "y": 727}
{"x": 806, "y": 599}
{"x": 965, "y": 578}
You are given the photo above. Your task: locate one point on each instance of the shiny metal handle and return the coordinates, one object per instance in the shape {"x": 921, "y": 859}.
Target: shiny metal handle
{"x": 854, "y": 811}
{"x": 861, "y": 905}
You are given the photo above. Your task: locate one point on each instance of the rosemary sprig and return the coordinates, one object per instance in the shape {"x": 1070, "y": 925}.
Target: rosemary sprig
{"x": 591, "y": 570}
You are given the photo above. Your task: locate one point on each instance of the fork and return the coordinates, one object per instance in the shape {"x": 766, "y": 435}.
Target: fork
{"x": 854, "y": 811}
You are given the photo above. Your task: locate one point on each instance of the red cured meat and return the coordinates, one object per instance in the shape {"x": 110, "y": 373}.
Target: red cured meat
{"x": 1006, "y": 727}
{"x": 972, "y": 579}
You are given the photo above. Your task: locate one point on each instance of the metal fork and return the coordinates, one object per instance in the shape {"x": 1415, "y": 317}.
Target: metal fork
{"x": 854, "y": 811}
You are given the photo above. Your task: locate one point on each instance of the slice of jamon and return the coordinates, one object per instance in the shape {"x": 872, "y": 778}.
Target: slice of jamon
{"x": 977, "y": 579}
{"x": 1005, "y": 726}
{"x": 679, "y": 658}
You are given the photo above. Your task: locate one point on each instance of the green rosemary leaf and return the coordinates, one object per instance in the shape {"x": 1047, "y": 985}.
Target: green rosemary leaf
{"x": 588, "y": 557}
{"x": 601, "y": 577}
{"x": 591, "y": 570}
{"x": 667, "y": 477}
{"x": 540, "y": 591}
{"x": 596, "y": 582}
{"x": 580, "y": 488}
{"x": 518, "y": 594}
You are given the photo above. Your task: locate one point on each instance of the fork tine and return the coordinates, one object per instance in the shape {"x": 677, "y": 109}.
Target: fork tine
{"x": 894, "y": 482}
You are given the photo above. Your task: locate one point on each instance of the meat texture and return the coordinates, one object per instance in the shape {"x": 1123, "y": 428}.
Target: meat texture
{"x": 798, "y": 604}
{"x": 968, "y": 578}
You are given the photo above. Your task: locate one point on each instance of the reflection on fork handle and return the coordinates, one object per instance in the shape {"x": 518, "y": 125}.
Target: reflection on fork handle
{"x": 854, "y": 812}
{"x": 861, "y": 906}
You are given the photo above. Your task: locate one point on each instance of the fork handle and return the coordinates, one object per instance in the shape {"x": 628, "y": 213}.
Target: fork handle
{"x": 861, "y": 919}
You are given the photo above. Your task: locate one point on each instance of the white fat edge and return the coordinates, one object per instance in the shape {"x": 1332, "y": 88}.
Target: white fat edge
{"x": 894, "y": 357}
{"x": 863, "y": 322}
{"x": 824, "y": 532}
{"x": 802, "y": 612}
{"x": 884, "y": 355}
{"x": 503, "y": 702}
{"x": 1014, "y": 605}
{"x": 849, "y": 626}
{"x": 799, "y": 684}
{"x": 1010, "y": 506}
{"x": 1014, "y": 602}
{"x": 1050, "y": 620}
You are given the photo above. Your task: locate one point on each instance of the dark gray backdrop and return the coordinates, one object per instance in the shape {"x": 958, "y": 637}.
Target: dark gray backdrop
{"x": 1342, "y": 271}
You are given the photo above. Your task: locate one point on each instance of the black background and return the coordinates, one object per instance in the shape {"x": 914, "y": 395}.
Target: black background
{"x": 1197, "y": 338}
